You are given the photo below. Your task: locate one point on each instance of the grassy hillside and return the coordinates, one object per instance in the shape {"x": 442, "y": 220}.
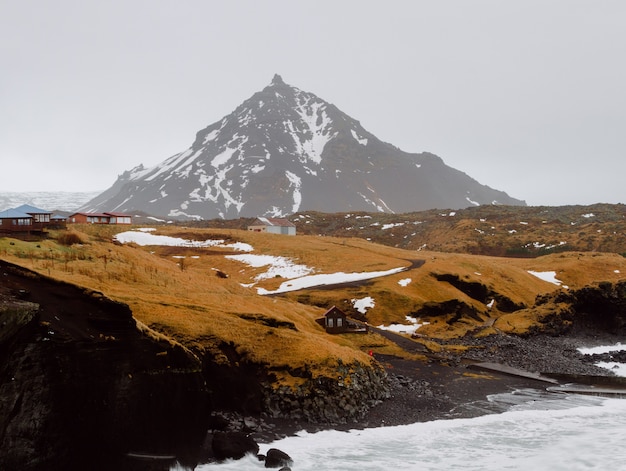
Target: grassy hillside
{"x": 205, "y": 299}
{"x": 512, "y": 231}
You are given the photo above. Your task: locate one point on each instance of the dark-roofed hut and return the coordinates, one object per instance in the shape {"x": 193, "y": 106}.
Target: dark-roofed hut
{"x": 335, "y": 321}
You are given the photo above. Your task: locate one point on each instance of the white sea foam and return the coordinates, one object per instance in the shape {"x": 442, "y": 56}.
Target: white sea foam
{"x": 588, "y": 435}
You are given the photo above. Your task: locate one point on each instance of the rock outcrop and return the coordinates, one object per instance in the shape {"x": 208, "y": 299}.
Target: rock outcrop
{"x": 277, "y": 459}
{"x": 233, "y": 445}
{"x": 600, "y": 307}
{"x": 328, "y": 400}
{"x": 81, "y": 386}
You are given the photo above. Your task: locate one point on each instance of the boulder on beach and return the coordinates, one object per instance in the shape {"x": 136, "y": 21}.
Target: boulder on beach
{"x": 276, "y": 458}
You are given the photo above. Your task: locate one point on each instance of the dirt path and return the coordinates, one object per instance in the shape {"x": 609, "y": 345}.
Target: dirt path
{"x": 401, "y": 341}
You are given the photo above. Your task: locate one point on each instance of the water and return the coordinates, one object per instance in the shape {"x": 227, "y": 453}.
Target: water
{"x": 539, "y": 431}
{"x": 49, "y": 200}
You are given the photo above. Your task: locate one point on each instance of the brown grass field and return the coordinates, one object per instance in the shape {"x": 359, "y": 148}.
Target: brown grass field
{"x": 185, "y": 299}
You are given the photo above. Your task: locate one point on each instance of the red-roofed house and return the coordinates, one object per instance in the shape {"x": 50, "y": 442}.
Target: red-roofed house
{"x": 99, "y": 218}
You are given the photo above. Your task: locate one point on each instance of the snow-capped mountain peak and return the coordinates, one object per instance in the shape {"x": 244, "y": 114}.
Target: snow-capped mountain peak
{"x": 284, "y": 150}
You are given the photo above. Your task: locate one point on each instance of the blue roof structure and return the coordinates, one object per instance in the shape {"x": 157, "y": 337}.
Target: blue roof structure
{"x": 27, "y": 208}
{"x": 13, "y": 214}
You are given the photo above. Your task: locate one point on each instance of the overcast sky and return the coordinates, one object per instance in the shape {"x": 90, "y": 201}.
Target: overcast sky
{"x": 528, "y": 97}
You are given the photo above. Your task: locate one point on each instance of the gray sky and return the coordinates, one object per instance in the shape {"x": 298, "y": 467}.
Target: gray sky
{"x": 528, "y": 97}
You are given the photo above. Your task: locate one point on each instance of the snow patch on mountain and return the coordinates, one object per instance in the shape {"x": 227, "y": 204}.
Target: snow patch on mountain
{"x": 360, "y": 140}
{"x": 296, "y": 184}
{"x": 318, "y": 126}
{"x": 211, "y": 136}
{"x": 223, "y": 157}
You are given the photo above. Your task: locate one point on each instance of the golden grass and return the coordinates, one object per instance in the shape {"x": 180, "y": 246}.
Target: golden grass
{"x": 192, "y": 305}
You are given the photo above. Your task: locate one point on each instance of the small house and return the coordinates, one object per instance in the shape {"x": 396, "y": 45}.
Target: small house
{"x": 88, "y": 218}
{"x": 119, "y": 218}
{"x": 99, "y": 218}
{"x": 12, "y": 220}
{"x": 335, "y": 321}
{"x": 40, "y": 216}
{"x": 273, "y": 226}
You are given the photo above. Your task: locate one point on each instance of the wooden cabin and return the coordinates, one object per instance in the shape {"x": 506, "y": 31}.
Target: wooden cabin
{"x": 25, "y": 219}
{"x": 12, "y": 220}
{"x": 119, "y": 218}
{"x": 41, "y": 217}
{"x": 335, "y": 321}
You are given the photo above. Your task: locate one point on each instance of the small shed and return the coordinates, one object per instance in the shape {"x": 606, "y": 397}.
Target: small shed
{"x": 273, "y": 226}
{"x": 335, "y": 321}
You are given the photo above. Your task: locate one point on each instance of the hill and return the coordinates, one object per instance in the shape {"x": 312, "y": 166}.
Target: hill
{"x": 204, "y": 296}
{"x": 504, "y": 231}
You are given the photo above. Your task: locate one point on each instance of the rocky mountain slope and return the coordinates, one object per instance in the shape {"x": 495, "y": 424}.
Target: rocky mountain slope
{"x": 285, "y": 150}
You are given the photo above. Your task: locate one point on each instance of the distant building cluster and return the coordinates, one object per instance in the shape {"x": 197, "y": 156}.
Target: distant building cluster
{"x": 31, "y": 220}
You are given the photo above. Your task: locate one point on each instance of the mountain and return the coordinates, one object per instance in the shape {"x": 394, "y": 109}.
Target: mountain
{"x": 285, "y": 150}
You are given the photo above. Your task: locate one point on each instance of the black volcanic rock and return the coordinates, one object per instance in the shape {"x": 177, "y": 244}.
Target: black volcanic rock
{"x": 233, "y": 445}
{"x": 285, "y": 150}
{"x": 81, "y": 387}
{"x": 277, "y": 459}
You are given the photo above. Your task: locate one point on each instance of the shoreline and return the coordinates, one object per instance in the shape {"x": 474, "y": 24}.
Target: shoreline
{"x": 450, "y": 388}
{"x": 439, "y": 388}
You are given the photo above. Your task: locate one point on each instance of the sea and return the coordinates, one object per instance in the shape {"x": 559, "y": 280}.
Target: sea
{"x": 48, "y": 200}
{"x": 538, "y": 431}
